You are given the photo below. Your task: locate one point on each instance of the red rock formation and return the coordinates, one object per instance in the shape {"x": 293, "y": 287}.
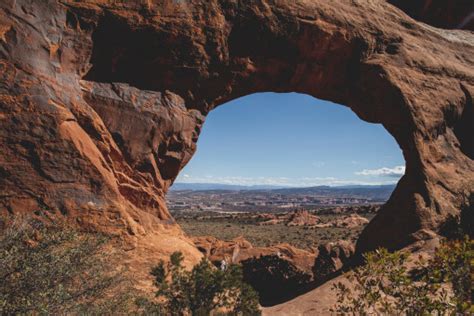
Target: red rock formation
{"x": 271, "y": 222}
{"x": 239, "y": 249}
{"x": 296, "y": 218}
{"x": 331, "y": 258}
{"x": 75, "y": 142}
{"x": 351, "y": 221}
{"x": 279, "y": 272}
{"x": 302, "y": 218}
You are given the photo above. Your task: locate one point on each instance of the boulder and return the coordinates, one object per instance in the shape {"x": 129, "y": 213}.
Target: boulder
{"x": 331, "y": 258}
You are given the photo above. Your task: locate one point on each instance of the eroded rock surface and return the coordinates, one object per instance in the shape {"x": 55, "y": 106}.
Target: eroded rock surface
{"x": 279, "y": 272}
{"x": 332, "y": 257}
{"x": 296, "y": 218}
{"x": 302, "y": 218}
{"x": 239, "y": 249}
{"x": 101, "y": 102}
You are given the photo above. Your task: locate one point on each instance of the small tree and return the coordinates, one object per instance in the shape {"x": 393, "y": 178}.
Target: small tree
{"x": 441, "y": 286}
{"x": 202, "y": 290}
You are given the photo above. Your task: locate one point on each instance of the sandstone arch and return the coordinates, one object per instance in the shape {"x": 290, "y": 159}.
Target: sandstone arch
{"x": 101, "y": 102}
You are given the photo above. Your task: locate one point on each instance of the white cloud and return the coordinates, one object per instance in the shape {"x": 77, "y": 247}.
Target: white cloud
{"x": 395, "y": 172}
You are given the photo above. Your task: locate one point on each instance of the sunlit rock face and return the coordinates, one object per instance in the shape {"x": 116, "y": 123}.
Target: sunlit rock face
{"x": 102, "y": 102}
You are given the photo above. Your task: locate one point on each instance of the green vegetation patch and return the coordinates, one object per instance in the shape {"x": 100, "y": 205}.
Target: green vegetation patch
{"x": 201, "y": 291}
{"x": 442, "y": 285}
{"x": 266, "y": 236}
{"x": 57, "y": 270}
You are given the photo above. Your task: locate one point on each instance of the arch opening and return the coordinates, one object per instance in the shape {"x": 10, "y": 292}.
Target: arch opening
{"x": 272, "y": 143}
{"x": 283, "y": 168}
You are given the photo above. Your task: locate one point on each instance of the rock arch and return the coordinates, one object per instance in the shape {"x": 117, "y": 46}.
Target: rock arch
{"x": 101, "y": 102}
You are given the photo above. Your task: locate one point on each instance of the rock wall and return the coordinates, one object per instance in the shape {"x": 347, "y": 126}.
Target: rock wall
{"x": 101, "y": 102}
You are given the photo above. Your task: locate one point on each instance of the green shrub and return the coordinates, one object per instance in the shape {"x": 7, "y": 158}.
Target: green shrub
{"x": 200, "y": 291}
{"x": 55, "y": 270}
{"x": 440, "y": 286}
{"x": 453, "y": 263}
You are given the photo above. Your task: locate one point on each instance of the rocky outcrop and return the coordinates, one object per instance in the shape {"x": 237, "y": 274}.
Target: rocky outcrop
{"x": 331, "y": 258}
{"x": 296, "y": 218}
{"x": 270, "y": 222}
{"x": 350, "y": 221}
{"x": 307, "y": 219}
{"x": 239, "y": 249}
{"x": 101, "y": 102}
{"x": 302, "y": 218}
{"x": 291, "y": 270}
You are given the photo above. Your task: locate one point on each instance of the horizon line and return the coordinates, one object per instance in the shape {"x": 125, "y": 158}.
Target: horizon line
{"x": 290, "y": 186}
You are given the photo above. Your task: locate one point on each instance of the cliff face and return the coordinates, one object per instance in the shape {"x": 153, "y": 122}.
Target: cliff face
{"x": 101, "y": 102}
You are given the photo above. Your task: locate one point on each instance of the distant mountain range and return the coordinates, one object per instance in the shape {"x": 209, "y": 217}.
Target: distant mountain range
{"x": 219, "y": 186}
{"x": 376, "y": 192}
{"x": 347, "y": 189}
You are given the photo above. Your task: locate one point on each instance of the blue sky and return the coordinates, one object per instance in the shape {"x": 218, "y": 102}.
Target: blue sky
{"x": 292, "y": 140}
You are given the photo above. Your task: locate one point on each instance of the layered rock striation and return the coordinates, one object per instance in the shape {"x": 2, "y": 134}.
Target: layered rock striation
{"x": 101, "y": 102}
